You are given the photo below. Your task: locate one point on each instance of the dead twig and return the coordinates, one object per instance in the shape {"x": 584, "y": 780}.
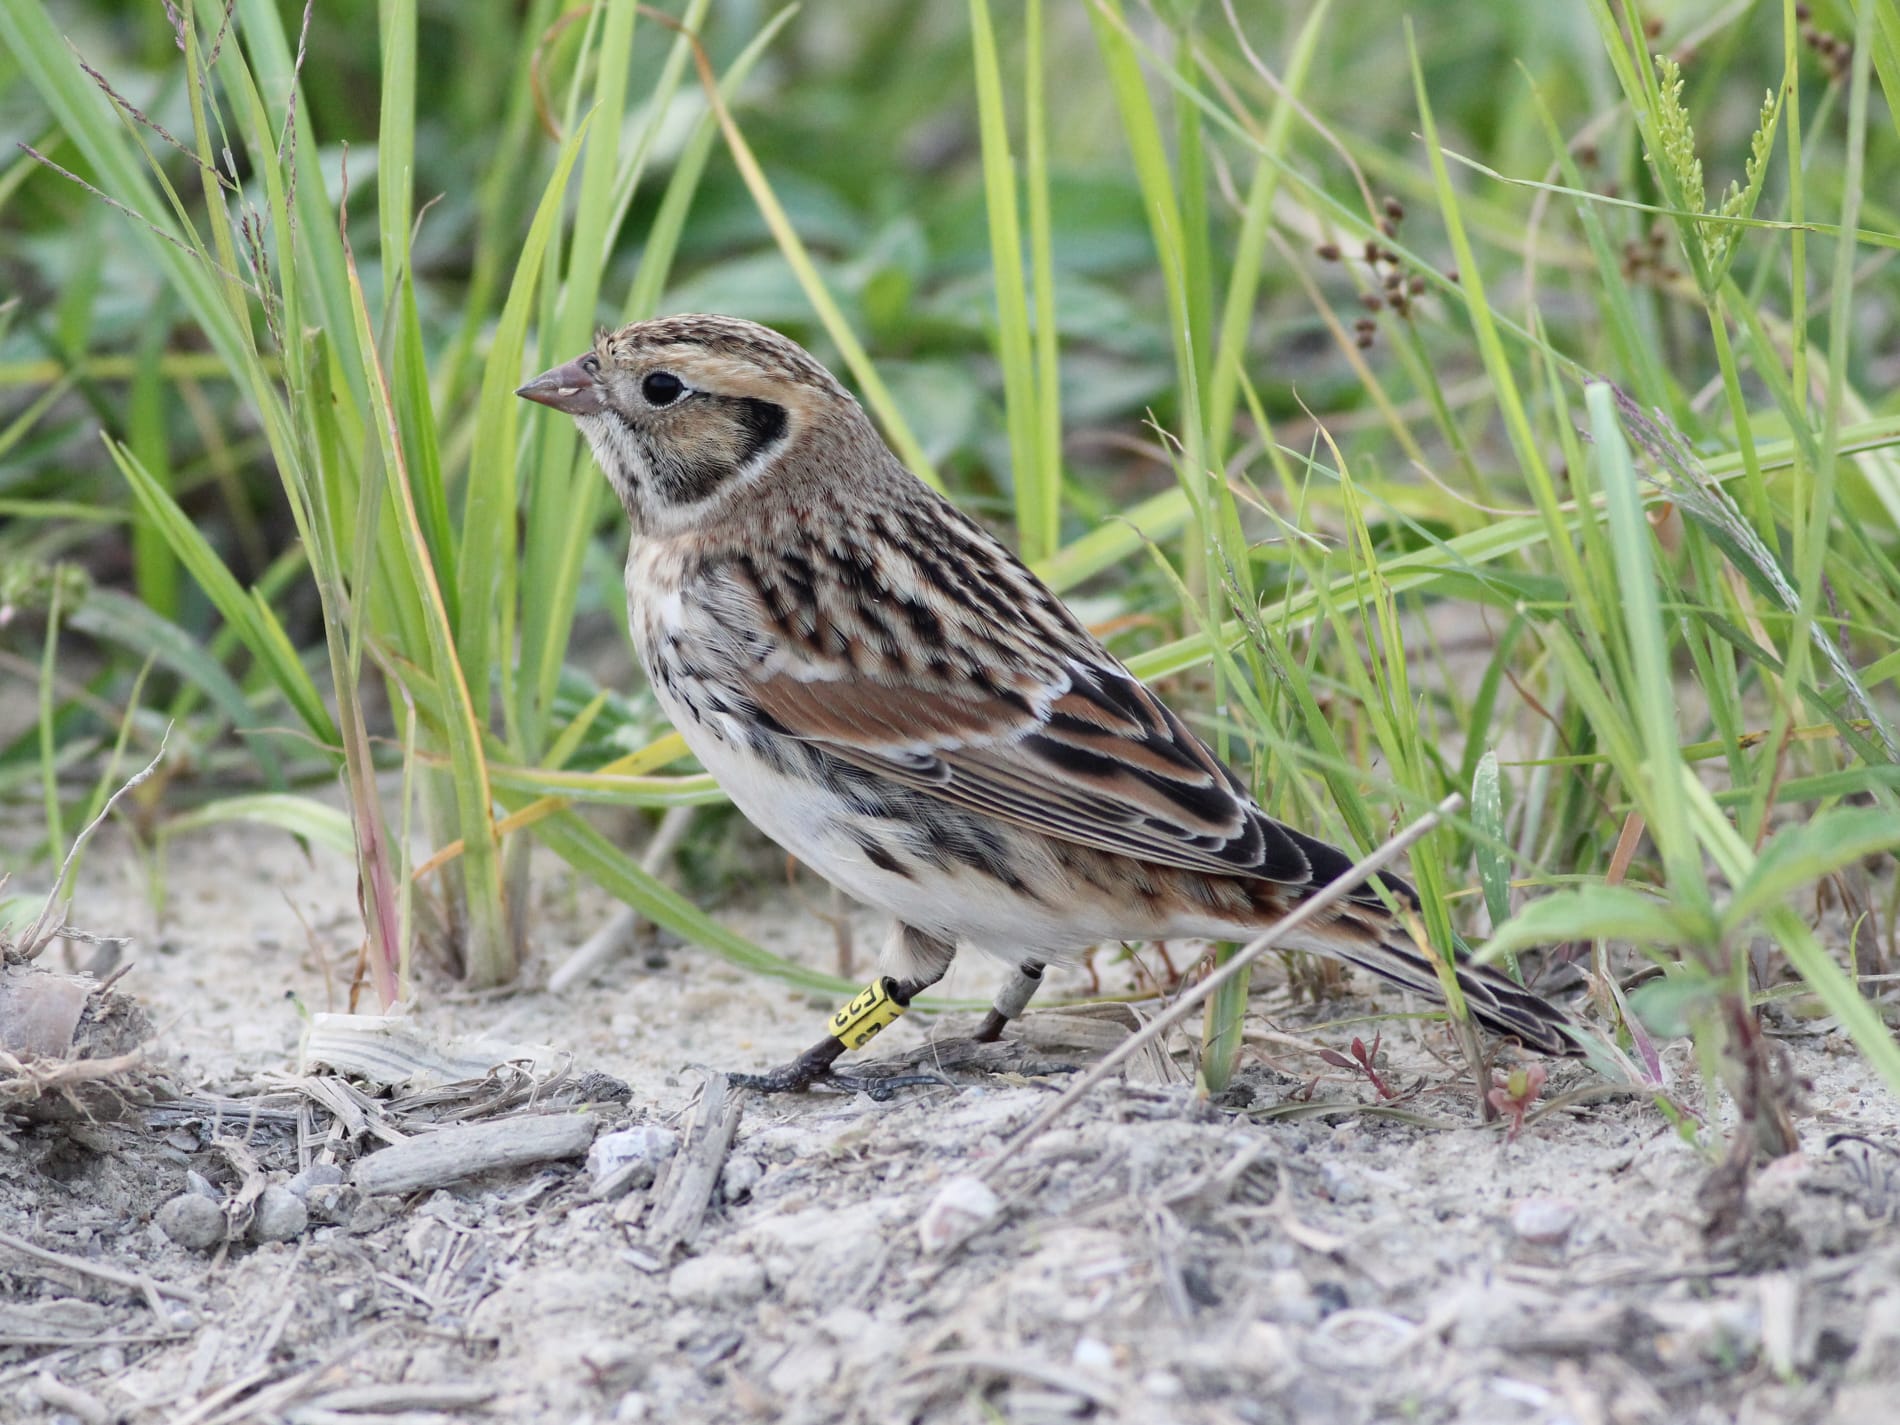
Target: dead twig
{"x": 685, "y": 1193}
{"x": 1023, "y": 1367}
{"x": 46, "y": 925}
{"x": 138, "y": 1281}
{"x": 462, "y": 1150}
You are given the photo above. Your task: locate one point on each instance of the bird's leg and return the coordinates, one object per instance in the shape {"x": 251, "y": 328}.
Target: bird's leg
{"x": 1010, "y": 1001}
{"x": 868, "y": 1012}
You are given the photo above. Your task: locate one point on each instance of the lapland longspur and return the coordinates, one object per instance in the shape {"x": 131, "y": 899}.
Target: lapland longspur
{"x": 889, "y": 694}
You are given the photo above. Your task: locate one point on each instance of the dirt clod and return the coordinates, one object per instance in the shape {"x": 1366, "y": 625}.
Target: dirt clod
{"x": 721, "y": 1280}
{"x": 192, "y": 1220}
{"x": 280, "y": 1216}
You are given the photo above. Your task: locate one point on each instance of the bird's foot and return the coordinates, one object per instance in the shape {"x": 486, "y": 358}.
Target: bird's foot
{"x": 854, "y": 1025}
{"x": 812, "y": 1066}
{"x": 992, "y": 1027}
{"x": 814, "y": 1069}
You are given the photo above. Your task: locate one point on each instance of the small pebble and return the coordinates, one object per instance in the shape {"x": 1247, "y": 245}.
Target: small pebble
{"x": 197, "y": 1182}
{"x": 1543, "y": 1221}
{"x": 630, "y": 1158}
{"x": 596, "y": 1087}
{"x": 741, "y": 1174}
{"x": 846, "y": 1323}
{"x": 423, "y": 1240}
{"x": 1162, "y": 1385}
{"x": 373, "y": 1214}
{"x": 803, "y": 1373}
{"x": 1341, "y": 1183}
{"x": 316, "y": 1175}
{"x": 331, "y": 1202}
{"x": 193, "y": 1221}
{"x": 1269, "y": 1353}
{"x": 962, "y": 1207}
{"x": 722, "y": 1279}
{"x": 1094, "y": 1355}
{"x": 1290, "y": 1300}
{"x": 280, "y": 1216}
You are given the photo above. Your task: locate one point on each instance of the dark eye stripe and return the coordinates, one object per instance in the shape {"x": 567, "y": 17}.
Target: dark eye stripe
{"x": 687, "y": 469}
{"x": 761, "y": 426}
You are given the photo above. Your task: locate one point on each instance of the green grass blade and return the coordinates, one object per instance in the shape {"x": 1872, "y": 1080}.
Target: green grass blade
{"x": 1654, "y": 710}
{"x": 604, "y": 863}
{"x": 1037, "y": 490}
{"x": 490, "y": 499}
{"x": 252, "y": 623}
{"x": 490, "y": 951}
{"x": 303, "y": 817}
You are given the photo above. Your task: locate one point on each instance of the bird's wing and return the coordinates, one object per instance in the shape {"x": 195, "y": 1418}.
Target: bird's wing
{"x": 921, "y": 650}
{"x": 1101, "y": 762}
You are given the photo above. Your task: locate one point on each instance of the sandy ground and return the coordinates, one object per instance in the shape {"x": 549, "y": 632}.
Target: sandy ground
{"x": 1151, "y": 1258}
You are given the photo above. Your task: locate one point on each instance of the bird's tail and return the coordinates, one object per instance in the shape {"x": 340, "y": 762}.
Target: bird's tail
{"x": 1374, "y": 939}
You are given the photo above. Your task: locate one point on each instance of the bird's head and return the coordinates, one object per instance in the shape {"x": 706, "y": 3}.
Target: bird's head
{"x": 691, "y": 415}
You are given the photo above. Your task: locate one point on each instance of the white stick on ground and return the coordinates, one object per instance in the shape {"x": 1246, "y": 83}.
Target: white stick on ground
{"x": 605, "y": 943}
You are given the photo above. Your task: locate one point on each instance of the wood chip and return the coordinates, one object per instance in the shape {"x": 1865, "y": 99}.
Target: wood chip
{"x": 683, "y": 1195}
{"x": 405, "y": 1395}
{"x": 70, "y": 1400}
{"x": 448, "y": 1155}
{"x": 395, "y": 1052}
{"x": 1025, "y": 1366}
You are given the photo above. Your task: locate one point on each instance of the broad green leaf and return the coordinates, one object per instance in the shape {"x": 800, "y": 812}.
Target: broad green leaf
{"x": 1589, "y": 913}
{"x": 1798, "y": 856}
{"x": 1668, "y": 1006}
{"x": 314, "y": 821}
{"x": 1487, "y": 814}
{"x": 599, "y": 859}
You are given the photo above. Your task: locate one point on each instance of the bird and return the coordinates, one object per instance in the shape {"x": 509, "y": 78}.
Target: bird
{"x": 885, "y": 690}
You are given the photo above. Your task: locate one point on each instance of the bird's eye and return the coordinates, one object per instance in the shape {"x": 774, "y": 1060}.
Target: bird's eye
{"x": 662, "y": 388}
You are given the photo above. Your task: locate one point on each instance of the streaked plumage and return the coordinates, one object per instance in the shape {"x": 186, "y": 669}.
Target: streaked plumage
{"x": 886, "y": 691}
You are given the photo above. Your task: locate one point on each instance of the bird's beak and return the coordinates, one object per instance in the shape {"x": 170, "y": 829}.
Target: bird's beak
{"x": 571, "y": 388}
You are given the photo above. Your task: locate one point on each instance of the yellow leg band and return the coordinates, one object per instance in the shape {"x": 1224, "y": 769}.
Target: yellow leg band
{"x": 871, "y": 1010}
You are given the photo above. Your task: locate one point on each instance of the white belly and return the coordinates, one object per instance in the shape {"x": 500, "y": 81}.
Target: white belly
{"x": 1051, "y": 918}
{"x": 957, "y": 903}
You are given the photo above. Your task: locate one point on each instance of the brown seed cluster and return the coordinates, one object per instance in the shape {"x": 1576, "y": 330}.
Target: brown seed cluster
{"x": 1836, "y": 51}
{"x": 1590, "y": 158}
{"x": 1644, "y": 258}
{"x": 1397, "y": 289}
